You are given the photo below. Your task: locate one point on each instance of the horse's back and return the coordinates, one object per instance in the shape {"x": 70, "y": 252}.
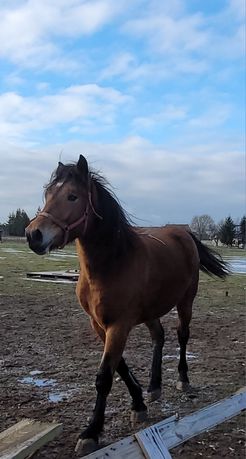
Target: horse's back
{"x": 176, "y": 238}
{"x": 168, "y": 266}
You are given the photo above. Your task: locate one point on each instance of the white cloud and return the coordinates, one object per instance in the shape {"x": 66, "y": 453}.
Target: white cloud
{"x": 82, "y": 104}
{"x": 156, "y": 184}
{"x": 121, "y": 64}
{"x": 171, "y": 42}
{"x": 212, "y": 117}
{"x": 234, "y": 10}
{"x": 189, "y": 42}
{"x": 169, "y": 115}
{"x": 29, "y": 29}
{"x": 169, "y": 35}
{"x": 43, "y": 86}
{"x": 13, "y": 80}
{"x": 131, "y": 69}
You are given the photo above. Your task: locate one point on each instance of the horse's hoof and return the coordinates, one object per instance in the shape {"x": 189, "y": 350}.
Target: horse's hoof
{"x": 183, "y": 386}
{"x": 138, "y": 416}
{"x": 154, "y": 395}
{"x": 85, "y": 446}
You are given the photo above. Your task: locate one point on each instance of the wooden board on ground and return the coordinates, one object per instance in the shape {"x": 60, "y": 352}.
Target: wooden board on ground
{"x": 72, "y": 275}
{"x": 152, "y": 444}
{"x": 27, "y": 436}
{"x": 172, "y": 431}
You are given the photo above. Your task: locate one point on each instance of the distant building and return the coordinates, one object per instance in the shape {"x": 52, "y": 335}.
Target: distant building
{"x": 184, "y": 226}
{"x": 171, "y": 225}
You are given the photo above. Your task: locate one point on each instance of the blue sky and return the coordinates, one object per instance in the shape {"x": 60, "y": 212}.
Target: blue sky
{"x": 151, "y": 92}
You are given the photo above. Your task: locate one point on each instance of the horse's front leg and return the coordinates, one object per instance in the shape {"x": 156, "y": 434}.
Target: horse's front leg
{"x": 139, "y": 410}
{"x": 115, "y": 341}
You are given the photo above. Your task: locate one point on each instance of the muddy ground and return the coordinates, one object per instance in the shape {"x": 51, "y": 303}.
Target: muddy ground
{"x": 44, "y": 330}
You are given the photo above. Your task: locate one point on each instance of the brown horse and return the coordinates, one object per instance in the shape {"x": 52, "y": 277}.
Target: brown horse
{"x": 128, "y": 276}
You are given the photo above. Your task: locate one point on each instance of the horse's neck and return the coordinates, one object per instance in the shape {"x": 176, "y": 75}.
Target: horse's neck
{"x": 97, "y": 259}
{"x": 83, "y": 259}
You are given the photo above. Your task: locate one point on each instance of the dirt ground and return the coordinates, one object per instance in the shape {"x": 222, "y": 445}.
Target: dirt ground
{"x": 44, "y": 330}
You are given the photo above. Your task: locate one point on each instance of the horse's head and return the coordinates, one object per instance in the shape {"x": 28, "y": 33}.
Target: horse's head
{"x": 68, "y": 203}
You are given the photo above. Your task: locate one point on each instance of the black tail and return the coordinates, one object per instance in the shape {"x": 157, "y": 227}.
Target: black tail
{"x": 210, "y": 262}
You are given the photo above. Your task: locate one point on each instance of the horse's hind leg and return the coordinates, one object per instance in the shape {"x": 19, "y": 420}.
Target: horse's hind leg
{"x": 183, "y": 330}
{"x": 158, "y": 339}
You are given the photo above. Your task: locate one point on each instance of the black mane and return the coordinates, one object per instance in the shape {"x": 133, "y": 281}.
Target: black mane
{"x": 115, "y": 218}
{"x": 114, "y": 233}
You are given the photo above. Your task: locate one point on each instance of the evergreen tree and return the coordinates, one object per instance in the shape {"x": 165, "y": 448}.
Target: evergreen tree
{"x": 227, "y": 231}
{"x": 17, "y": 222}
{"x": 243, "y": 230}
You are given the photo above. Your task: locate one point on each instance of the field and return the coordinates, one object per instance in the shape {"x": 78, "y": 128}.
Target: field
{"x": 49, "y": 357}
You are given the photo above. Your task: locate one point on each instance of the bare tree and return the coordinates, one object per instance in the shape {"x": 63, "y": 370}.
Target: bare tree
{"x": 203, "y": 226}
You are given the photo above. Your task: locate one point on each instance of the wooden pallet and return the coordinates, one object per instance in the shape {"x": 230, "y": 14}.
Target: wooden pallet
{"x": 26, "y": 437}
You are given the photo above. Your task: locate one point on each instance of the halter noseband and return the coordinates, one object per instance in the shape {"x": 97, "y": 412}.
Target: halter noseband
{"x": 67, "y": 228}
{"x": 64, "y": 227}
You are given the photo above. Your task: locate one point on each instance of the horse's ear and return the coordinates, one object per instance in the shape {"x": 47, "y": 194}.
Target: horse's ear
{"x": 59, "y": 168}
{"x": 82, "y": 165}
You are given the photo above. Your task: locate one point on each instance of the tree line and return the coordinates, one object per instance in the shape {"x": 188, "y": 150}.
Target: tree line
{"x": 16, "y": 223}
{"x": 203, "y": 226}
{"x": 226, "y": 231}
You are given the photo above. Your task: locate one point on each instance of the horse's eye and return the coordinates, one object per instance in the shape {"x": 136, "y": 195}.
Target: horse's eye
{"x": 72, "y": 197}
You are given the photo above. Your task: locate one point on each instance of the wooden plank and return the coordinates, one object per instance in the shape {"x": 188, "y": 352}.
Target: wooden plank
{"x": 68, "y": 275}
{"x": 173, "y": 431}
{"x": 152, "y": 444}
{"x": 27, "y": 436}
{"x": 203, "y": 420}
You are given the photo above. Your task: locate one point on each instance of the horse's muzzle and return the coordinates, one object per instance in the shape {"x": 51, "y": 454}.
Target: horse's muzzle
{"x": 35, "y": 241}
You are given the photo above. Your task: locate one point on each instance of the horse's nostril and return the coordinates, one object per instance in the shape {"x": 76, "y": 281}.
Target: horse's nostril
{"x": 36, "y": 236}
